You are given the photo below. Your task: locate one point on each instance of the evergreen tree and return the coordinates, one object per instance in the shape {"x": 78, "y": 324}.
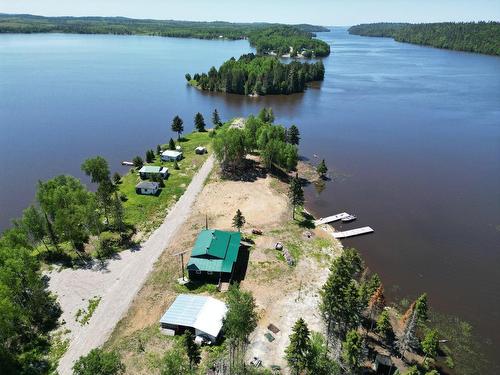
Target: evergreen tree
{"x": 421, "y": 307}
{"x": 322, "y": 168}
{"x": 353, "y": 350}
{"x": 158, "y": 150}
{"x": 298, "y": 352}
{"x": 341, "y": 305}
{"x": 296, "y": 194}
{"x": 117, "y": 178}
{"x": 188, "y": 77}
{"x": 216, "y": 119}
{"x": 238, "y": 220}
{"x": 171, "y": 144}
{"x": 192, "y": 349}
{"x": 430, "y": 344}
{"x": 199, "y": 122}
{"x": 293, "y": 135}
{"x": 178, "y": 126}
{"x": 384, "y": 326}
{"x": 239, "y": 323}
{"x": 138, "y": 162}
{"x": 150, "y": 156}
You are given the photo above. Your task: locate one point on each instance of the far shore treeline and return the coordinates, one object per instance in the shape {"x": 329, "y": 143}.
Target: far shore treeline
{"x": 480, "y": 37}
{"x": 258, "y": 75}
{"x": 264, "y": 37}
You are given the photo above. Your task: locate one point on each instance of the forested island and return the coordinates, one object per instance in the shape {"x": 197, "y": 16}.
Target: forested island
{"x": 480, "y": 37}
{"x": 265, "y": 37}
{"x": 258, "y": 75}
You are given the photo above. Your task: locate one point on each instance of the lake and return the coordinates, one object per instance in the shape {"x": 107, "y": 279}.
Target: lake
{"x": 411, "y": 135}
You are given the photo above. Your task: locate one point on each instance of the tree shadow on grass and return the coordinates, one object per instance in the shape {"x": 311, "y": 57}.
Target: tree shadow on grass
{"x": 306, "y": 221}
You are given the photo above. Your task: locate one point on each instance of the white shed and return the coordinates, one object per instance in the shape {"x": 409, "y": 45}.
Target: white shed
{"x": 171, "y": 155}
{"x": 200, "y": 150}
{"x": 201, "y": 313}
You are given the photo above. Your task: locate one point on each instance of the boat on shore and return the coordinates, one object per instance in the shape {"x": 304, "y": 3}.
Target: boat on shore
{"x": 128, "y": 163}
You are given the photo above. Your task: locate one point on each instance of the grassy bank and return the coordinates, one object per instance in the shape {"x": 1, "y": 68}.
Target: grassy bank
{"x": 146, "y": 212}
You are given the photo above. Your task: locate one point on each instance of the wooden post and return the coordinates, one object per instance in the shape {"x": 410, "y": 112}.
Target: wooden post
{"x": 181, "y": 254}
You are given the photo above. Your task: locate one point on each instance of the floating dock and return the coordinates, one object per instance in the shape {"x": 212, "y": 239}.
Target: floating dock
{"x": 352, "y": 232}
{"x": 331, "y": 219}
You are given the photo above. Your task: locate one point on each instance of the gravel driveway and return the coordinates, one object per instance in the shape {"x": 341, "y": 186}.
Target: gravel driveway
{"x": 117, "y": 282}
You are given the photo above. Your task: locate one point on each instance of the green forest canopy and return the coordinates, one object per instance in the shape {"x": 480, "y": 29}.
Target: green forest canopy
{"x": 265, "y": 37}
{"x": 480, "y": 37}
{"x": 260, "y": 75}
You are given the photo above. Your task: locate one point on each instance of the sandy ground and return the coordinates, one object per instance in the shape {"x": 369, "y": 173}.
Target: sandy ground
{"x": 287, "y": 297}
{"x": 283, "y": 294}
{"x": 117, "y": 282}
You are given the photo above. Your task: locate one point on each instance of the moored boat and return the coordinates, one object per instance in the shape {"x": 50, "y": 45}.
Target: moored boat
{"x": 349, "y": 218}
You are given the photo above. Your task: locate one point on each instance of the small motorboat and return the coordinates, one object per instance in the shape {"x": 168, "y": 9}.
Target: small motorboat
{"x": 128, "y": 163}
{"x": 349, "y": 218}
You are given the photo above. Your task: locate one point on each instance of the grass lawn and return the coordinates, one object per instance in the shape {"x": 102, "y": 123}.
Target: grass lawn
{"x": 146, "y": 212}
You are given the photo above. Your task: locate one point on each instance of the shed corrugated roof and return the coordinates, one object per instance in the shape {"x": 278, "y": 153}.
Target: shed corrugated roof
{"x": 199, "y": 312}
{"x": 152, "y": 169}
{"x": 171, "y": 153}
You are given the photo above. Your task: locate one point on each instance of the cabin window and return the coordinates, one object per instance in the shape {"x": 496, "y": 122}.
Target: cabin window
{"x": 209, "y": 273}
{"x": 198, "y": 272}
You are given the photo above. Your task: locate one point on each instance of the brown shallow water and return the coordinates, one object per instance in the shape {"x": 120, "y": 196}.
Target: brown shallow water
{"x": 412, "y": 135}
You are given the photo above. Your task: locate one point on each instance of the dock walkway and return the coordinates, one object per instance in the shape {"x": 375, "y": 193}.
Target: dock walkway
{"x": 352, "y": 232}
{"x": 331, "y": 219}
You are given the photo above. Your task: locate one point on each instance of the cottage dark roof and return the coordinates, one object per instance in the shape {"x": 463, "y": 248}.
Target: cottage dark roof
{"x": 147, "y": 185}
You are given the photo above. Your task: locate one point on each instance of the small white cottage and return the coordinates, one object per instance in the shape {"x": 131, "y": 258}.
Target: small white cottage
{"x": 171, "y": 155}
{"x": 147, "y": 188}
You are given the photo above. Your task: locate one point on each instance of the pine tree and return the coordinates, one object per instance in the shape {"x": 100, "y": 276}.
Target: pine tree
{"x": 298, "y": 352}
{"x": 192, "y": 349}
{"x": 216, "y": 119}
{"x": 322, "y": 168}
{"x": 138, "y": 162}
{"x": 171, "y": 144}
{"x": 150, "y": 156}
{"x": 178, "y": 126}
{"x": 117, "y": 178}
{"x": 353, "y": 350}
{"x": 199, "y": 122}
{"x": 296, "y": 194}
{"x": 430, "y": 344}
{"x": 188, "y": 77}
{"x": 293, "y": 135}
{"x": 238, "y": 220}
{"x": 158, "y": 150}
{"x": 384, "y": 327}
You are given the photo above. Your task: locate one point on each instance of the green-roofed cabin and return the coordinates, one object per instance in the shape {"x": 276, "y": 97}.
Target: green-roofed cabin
{"x": 214, "y": 255}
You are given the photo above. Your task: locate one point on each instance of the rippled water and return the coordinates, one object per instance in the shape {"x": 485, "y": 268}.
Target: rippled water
{"x": 412, "y": 135}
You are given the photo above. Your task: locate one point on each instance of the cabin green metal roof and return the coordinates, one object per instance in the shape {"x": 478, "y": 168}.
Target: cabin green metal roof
{"x": 215, "y": 251}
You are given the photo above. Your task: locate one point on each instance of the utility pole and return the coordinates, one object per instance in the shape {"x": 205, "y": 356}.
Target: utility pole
{"x": 181, "y": 254}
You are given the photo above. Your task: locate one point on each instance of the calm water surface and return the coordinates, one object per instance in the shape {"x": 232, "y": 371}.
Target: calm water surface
{"x": 412, "y": 135}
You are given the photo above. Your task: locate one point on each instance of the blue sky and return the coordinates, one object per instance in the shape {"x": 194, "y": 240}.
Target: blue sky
{"x": 325, "y": 12}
